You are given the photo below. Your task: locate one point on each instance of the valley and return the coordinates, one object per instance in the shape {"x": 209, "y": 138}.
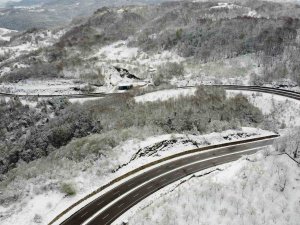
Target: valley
{"x": 92, "y": 92}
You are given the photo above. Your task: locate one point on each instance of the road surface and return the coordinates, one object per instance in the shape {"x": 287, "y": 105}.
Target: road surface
{"x": 118, "y": 200}
{"x": 275, "y": 91}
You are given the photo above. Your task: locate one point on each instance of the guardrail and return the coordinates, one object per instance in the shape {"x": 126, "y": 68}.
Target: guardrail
{"x": 186, "y": 153}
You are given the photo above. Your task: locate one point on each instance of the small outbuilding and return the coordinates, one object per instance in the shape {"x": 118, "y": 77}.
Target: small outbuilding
{"x": 125, "y": 87}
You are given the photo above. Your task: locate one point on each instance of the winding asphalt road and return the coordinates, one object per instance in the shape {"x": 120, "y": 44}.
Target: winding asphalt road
{"x": 118, "y": 200}
{"x": 268, "y": 90}
{"x": 275, "y": 91}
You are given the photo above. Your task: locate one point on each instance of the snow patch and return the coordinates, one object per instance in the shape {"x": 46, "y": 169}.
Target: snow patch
{"x": 165, "y": 95}
{"x": 117, "y": 51}
{"x": 225, "y": 5}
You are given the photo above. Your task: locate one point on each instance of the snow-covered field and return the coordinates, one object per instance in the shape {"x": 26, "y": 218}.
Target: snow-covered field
{"x": 82, "y": 100}
{"x": 41, "y": 201}
{"x": 164, "y": 95}
{"x": 257, "y": 189}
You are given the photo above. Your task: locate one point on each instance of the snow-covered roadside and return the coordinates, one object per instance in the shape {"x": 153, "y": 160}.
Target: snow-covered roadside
{"x": 137, "y": 152}
{"x": 82, "y": 100}
{"x": 285, "y": 111}
{"x": 257, "y": 189}
{"x": 41, "y": 87}
{"x": 47, "y": 87}
{"x": 157, "y": 147}
{"x": 33, "y": 103}
{"x": 164, "y": 95}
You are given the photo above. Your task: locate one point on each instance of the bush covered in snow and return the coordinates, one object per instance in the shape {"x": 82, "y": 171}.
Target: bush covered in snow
{"x": 68, "y": 189}
{"x": 167, "y": 71}
{"x": 290, "y": 144}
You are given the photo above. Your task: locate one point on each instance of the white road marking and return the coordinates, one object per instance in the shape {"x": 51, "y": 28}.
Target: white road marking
{"x": 130, "y": 184}
{"x": 100, "y": 202}
{"x": 117, "y": 192}
{"x": 136, "y": 195}
{"x": 106, "y": 216}
{"x": 84, "y": 214}
{"x": 150, "y": 187}
{"x": 121, "y": 205}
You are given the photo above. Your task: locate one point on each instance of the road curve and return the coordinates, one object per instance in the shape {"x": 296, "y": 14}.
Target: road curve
{"x": 275, "y": 91}
{"x": 268, "y": 90}
{"x": 118, "y": 200}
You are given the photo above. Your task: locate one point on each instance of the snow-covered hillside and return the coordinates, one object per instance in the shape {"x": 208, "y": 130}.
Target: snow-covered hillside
{"x": 5, "y": 34}
{"x": 36, "y": 187}
{"x": 134, "y": 59}
{"x": 29, "y": 41}
{"x": 90, "y": 49}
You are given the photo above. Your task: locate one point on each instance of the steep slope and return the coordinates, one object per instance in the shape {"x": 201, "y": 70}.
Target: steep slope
{"x": 5, "y": 34}
{"x": 194, "y": 33}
